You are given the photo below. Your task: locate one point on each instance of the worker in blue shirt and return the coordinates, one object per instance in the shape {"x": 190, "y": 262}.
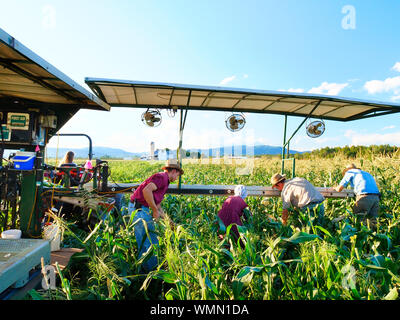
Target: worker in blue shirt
{"x": 366, "y": 191}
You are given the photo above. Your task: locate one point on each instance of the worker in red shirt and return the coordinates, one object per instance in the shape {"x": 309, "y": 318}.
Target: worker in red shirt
{"x": 233, "y": 209}
{"x": 147, "y": 200}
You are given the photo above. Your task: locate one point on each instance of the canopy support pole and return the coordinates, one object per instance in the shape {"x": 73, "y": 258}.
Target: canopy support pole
{"x": 182, "y": 122}
{"x": 286, "y": 143}
{"x": 283, "y": 146}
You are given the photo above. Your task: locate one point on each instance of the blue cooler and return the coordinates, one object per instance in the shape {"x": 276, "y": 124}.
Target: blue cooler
{"x": 24, "y": 160}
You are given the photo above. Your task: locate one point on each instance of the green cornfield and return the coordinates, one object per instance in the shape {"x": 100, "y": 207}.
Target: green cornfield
{"x": 340, "y": 259}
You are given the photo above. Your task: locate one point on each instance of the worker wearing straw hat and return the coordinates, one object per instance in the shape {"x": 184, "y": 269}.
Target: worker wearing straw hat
{"x": 148, "y": 196}
{"x": 297, "y": 193}
{"x": 366, "y": 191}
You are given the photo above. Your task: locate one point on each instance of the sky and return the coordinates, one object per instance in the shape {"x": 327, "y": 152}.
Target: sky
{"x": 343, "y": 48}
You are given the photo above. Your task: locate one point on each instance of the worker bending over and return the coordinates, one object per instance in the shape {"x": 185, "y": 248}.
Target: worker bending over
{"x": 297, "y": 193}
{"x": 233, "y": 208}
{"x": 366, "y": 191}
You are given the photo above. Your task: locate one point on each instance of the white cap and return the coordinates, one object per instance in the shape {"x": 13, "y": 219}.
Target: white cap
{"x": 241, "y": 191}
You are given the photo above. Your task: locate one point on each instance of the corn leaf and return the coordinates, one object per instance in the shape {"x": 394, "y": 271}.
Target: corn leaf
{"x": 392, "y": 295}
{"x": 165, "y": 276}
{"x": 211, "y": 285}
{"x": 300, "y": 237}
{"x": 35, "y": 295}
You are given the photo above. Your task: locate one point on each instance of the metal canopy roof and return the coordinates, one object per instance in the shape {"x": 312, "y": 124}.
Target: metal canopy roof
{"x": 23, "y": 74}
{"x": 139, "y": 94}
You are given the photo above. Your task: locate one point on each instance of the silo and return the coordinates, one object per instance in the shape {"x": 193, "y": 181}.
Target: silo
{"x": 152, "y": 150}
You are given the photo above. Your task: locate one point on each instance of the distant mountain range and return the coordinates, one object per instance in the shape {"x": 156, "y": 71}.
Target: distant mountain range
{"x": 98, "y": 152}
{"x": 105, "y": 152}
{"x": 242, "y": 150}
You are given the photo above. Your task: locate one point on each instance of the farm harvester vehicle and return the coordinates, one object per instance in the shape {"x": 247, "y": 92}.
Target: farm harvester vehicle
{"x": 29, "y": 186}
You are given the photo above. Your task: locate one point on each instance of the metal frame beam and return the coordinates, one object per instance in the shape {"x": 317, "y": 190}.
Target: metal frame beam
{"x": 238, "y": 110}
{"x": 80, "y": 134}
{"x": 220, "y": 190}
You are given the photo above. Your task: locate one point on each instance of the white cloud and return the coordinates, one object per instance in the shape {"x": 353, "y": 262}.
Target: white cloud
{"x": 387, "y": 85}
{"x": 389, "y": 127}
{"x": 305, "y": 143}
{"x": 332, "y": 89}
{"x": 372, "y": 138}
{"x": 396, "y": 98}
{"x": 329, "y": 88}
{"x": 245, "y": 76}
{"x": 227, "y": 80}
{"x": 263, "y": 141}
{"x": 299, "y": 90}
{"x": 396, "y": 67}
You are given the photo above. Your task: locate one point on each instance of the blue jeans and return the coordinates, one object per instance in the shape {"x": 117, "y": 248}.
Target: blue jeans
{"x": 312, "y": 207}
{"x": 142, "y": 239}
{"x": 317, "y": 209}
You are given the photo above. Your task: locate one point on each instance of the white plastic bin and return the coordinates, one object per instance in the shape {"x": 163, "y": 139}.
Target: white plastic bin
{"x": 11, "y": 234}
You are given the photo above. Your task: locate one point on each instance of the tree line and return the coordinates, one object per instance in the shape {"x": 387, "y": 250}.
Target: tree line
{"x": 351, "y": 152}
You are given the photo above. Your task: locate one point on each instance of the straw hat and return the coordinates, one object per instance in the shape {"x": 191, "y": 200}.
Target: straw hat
{"x": 348, "y": 167}
{"x": 276, "y": 178}
{"x": 173, "y": 164}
